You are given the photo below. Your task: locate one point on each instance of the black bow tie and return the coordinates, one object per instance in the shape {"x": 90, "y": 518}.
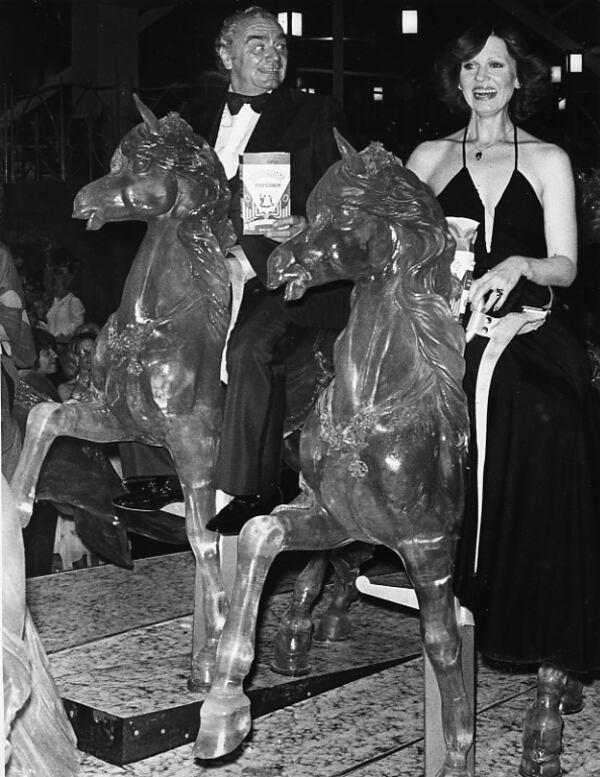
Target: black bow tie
{"x": 256, "y": 102}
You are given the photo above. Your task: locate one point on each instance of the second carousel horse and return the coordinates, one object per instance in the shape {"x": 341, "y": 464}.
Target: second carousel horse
{"x": 383, "y": 452}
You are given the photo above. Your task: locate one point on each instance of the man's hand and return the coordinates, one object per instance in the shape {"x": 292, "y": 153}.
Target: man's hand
{"x": 285, "y": 228}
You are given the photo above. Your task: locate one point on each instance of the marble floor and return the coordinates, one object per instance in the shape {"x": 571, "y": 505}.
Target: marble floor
{"x": 118, "y": 641}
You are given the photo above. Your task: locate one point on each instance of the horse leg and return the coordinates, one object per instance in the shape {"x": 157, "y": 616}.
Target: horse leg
{"x": 210, "y": 601}
{"x": 542, "y": 731}
{"x": 290, "y": 655}
{"x": 334, "y": 624}
{"x": 429, "y": 567}
{"x": 193, "y": 443}
{"x": 45, "y": 423}
{"x": 225, "y": 715}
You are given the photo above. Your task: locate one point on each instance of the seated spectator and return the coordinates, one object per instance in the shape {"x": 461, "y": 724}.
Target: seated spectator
{"x": 37, "y": 310}
{"x": 67, "y": 311}
{"x": 51, "y": 539}
{"x": 46, "y": 365}
{"x": 79, "y": 355}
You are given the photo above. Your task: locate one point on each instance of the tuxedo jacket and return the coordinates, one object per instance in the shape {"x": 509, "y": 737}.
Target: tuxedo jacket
{"x": 301, "y": 124}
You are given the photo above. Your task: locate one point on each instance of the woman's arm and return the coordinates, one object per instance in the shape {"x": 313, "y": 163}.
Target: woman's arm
{"x": 559, "y": 268}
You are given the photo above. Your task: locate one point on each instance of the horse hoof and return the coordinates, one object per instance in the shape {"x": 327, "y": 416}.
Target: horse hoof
{"x": 292, "y": 646}
{"x": 291, "y": 666}
{"x": 544, "y": 767}
{"x": 224, "y": 724}
{"x": 333, "y": 628}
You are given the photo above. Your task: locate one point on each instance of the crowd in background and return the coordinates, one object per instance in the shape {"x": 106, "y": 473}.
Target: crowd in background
{"x": 57, "y": 367}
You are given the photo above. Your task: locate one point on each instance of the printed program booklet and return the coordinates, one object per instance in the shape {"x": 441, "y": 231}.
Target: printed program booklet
{"x": 265, "y": 180}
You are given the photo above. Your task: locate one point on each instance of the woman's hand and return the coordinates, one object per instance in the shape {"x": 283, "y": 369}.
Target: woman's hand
{"x": 491, "y": 290}
{"x": 285, "y": 228}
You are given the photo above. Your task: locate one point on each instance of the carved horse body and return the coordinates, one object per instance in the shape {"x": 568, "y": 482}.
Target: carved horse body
{"x": 156, "y": 364}
{"x": 383, "y": 451}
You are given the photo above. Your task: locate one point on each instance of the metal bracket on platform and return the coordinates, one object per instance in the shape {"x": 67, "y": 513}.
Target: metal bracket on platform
{"x": 435, "y": 747}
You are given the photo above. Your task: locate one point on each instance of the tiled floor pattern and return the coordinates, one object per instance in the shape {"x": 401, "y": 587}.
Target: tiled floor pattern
{"x": 373, "y": 728}
{"x": 108, "y": 629}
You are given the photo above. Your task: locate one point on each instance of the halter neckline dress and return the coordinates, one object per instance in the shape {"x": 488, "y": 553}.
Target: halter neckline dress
{"x": 536, "y": 593}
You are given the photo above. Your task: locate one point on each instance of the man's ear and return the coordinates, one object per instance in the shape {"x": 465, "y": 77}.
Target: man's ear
{"x": 225, "y": 57}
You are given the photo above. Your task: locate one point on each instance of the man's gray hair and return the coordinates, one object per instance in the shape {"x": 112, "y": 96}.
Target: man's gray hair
{"x": 228, "y": 29}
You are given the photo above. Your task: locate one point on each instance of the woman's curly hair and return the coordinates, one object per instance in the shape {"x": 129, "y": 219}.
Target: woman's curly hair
{"x": 532, "y": 71}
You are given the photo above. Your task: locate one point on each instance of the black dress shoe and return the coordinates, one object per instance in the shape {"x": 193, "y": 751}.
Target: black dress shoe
{"x": 148, "y": 494}
{"x": 238, "y": 512}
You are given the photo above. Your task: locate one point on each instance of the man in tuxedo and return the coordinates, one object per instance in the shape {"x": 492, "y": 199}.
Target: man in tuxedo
{"x": 258, "y": 113}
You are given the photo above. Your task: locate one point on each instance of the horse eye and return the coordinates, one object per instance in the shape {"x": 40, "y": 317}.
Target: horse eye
{"x": 140, "y": 164}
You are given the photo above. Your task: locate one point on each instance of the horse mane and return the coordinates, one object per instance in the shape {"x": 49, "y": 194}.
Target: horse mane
{"x": 205, "y": 230}
{"x": 422, "y": 250}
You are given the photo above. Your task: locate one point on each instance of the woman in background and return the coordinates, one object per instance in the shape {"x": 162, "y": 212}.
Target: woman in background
{"x": 527, "y": 562}
{"x": 41, "y": 376}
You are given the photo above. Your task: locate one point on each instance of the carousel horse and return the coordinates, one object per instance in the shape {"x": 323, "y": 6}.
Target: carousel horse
{"x": 383, "y": 451}
{"x": 156, "y": 363}
{"x": 156, "y": 375}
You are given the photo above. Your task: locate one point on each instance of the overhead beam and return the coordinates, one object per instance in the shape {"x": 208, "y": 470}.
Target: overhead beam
{"x": 555, "y": 36}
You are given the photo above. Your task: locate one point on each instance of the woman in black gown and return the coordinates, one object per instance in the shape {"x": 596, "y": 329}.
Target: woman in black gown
{"x": 527, "y": 562}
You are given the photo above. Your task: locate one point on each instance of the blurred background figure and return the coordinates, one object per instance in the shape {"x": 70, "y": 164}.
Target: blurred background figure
{"x": 37, "y": 309}
{"x": 42, "y": 375}
{"x": 67, "y": 312}
{"x": 17, "y": 350}
{"x": 79, "y": 360}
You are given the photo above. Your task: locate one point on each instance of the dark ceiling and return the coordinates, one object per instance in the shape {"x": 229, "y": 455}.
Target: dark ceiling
{"x": 35, "y": 34}
{"x": 176, "y": 42}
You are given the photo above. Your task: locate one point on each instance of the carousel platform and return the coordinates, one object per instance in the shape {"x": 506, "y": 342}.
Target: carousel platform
{"x": 119, "y": 642}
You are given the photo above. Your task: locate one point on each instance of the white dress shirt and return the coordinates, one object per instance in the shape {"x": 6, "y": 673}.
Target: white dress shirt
{"x": 234, "y": 134}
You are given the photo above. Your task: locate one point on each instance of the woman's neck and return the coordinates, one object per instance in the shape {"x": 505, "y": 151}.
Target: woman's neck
{"x": 489, "y": 129}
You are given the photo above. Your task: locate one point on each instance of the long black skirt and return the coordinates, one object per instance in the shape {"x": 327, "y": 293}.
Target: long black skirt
{"x": 536, "y": 592}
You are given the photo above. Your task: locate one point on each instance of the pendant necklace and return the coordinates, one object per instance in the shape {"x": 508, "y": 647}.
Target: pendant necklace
{"x": 480, "y": 149}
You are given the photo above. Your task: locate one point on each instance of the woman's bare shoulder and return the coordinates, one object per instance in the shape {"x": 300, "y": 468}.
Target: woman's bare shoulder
{"x": 428, "y": 155}
{"x": 541, "y": 150}
{"x": 547, "y": 160}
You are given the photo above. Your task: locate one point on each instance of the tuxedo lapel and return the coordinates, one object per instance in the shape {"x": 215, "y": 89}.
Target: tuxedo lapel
{"x": 214, "y": 130}
{"x": 217, "y": 112}
{"x": 274, "y": 121}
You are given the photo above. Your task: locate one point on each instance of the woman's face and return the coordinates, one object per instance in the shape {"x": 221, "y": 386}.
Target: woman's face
{"x": 47, "y": 361}
{"x": 489, "y": 79}
{"x": 83, "y": 354}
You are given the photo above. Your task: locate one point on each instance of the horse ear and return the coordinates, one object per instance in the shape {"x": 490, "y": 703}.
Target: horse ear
{"x": 149, "y": 118}
{"x": 350, "y": 155}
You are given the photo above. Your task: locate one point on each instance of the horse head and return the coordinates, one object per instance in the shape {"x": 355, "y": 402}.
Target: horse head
{"x": 367, "y": 215}
{"x": 160, "y": 168}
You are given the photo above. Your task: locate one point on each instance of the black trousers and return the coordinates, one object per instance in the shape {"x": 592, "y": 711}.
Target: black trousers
{"x": 252, "y": 437}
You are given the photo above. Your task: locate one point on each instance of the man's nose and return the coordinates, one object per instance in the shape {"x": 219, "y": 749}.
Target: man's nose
{"x": 273, "y": 54}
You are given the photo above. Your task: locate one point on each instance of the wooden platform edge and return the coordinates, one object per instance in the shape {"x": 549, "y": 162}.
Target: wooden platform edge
{"x": 123, "y": 740}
